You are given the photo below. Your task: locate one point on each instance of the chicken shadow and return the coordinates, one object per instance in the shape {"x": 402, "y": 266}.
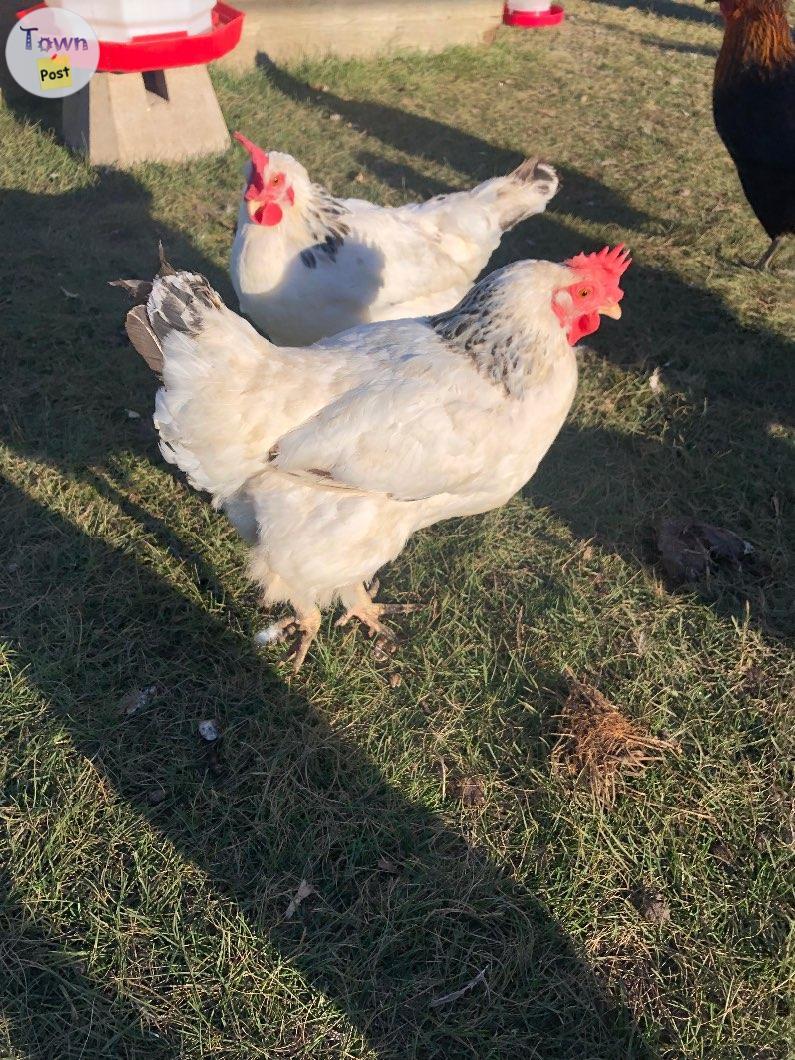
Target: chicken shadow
{"x": 435, "y": 141}
{"x": 369, "y": 261}
{"x": 667, "y": 9}
{"x": 291, "y": 798}
{"x": 616, "y": 487}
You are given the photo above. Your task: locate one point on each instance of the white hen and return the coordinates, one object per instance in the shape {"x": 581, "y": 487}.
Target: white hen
{"x": 352, "y": 262}
{"x": 327, "y": 458}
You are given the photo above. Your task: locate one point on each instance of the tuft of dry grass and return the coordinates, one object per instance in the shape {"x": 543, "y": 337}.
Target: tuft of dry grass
{"x": 599, "y": 745}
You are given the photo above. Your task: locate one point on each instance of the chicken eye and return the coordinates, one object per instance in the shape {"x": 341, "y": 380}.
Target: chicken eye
{"x": 276, "y": 179}
{"x": 584, "y": 292}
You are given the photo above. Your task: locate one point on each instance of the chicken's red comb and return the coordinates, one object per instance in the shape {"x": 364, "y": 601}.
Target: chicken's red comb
{"x": 259, "y": 160}
{"x": 612, "y": 262}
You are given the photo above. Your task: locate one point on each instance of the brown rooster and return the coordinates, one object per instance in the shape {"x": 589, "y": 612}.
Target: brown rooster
{"x": 753, "y": 103}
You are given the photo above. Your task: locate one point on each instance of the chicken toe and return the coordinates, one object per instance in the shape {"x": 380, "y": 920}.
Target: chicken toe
{"x": 304, "y": 626}
{"x": 307, "y": 626}
{"x": 276, "y": 632}
{"x": 359, "y": 604}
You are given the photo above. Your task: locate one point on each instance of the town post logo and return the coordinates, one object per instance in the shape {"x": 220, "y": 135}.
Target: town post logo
{"x": 52, "y": 52}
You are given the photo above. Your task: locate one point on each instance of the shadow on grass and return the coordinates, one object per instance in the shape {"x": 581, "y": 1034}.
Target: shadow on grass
{"x": 668, "y": 9}
{"x": 46, "y": 998}
{"x": 294, "y": 799}
{"x": 681, "y": 47}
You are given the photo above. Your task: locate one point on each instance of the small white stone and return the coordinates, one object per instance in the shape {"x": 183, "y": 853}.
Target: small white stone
{"x": 208, "y": 730}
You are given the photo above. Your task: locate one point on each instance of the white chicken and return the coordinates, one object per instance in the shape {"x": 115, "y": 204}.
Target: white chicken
{"x": 306, "y": 265}
{"x": 327, "y": 458}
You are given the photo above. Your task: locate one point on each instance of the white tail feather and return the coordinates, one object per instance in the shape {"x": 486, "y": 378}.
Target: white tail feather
{"x": 210, "y": 409}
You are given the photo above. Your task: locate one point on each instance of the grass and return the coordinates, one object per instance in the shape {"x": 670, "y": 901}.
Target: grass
{"x": 145, "y": 882}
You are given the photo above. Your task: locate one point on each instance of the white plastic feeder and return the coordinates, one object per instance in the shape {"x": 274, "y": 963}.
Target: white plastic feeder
{"x": 121, "y": 20}
{"x": 529, "y": 5}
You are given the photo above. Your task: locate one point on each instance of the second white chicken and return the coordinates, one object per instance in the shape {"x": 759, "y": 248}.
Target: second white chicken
{"x": 306, "y": 265}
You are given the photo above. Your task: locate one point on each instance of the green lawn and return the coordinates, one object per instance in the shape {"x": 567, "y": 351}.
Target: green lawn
{"x": 143, "y": 883}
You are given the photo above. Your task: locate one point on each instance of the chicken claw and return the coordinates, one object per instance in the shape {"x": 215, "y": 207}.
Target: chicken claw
{"x": 298, "y": 652}
{"x": 360, "y": 604}
{"x": 305, "y": 626}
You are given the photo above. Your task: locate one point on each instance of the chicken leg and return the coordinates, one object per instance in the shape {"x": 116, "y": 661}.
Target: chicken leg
{"x": 763, "y": 264}
{"x": 304, "y": 624}
{"x": 359, "y": 603}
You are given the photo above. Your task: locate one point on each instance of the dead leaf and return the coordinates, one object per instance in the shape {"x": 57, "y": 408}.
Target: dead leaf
{"x": 722, "y": 852}
{"x": 132, "y": 414}
{"x": 471, "y": 792}
{"x": 655, "y": 381}
{"x": 598, "y": 743}
{"x": 335, "y": 117}
{"x": 456, "y": 994}
{"x": 360, "y": 178}
{"x": 137, "y": 700}
{"x": 69, "y": 294}
{"x": 304, "y": 891}
{"x": 395, "y": 680}
{"x": 689, "y": 548}
{"x": 652, "y": 905}
{"x": 156, "y": 796}
{"x": 383, "y": 649}
{"x": 385, "y": 865}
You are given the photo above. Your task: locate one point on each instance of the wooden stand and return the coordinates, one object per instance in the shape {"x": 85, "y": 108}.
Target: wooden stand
{"x": 161, "y": 116}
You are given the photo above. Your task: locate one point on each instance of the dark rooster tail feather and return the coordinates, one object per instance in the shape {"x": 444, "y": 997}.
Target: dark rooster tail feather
{"x": 534, "y": 169}
{"x": 179, "y": 301}
{"x": 173, "y": 301}
{"x": 139, "y": 290}
{"x": 165, "y": 268}
{"x": 142, "y": 336}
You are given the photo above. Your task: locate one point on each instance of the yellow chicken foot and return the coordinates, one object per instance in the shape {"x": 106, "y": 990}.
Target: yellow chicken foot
{"x": 306, "y": 627}
{"x": 359, "y": 603}
{"x": 302, "y": 646}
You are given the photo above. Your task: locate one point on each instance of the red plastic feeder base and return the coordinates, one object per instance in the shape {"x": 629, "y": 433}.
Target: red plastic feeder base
{"x": 169, "y": 50}
{"x": 533, "y": 19}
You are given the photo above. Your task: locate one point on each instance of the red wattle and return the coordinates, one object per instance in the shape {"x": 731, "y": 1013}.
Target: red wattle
{"x": 270, "y": 215}
{"x": 584, "y": 325}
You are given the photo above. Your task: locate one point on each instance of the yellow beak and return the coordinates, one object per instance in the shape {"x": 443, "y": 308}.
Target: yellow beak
{"x": 252, "y": 207}
{"x": 613, "y": 311}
